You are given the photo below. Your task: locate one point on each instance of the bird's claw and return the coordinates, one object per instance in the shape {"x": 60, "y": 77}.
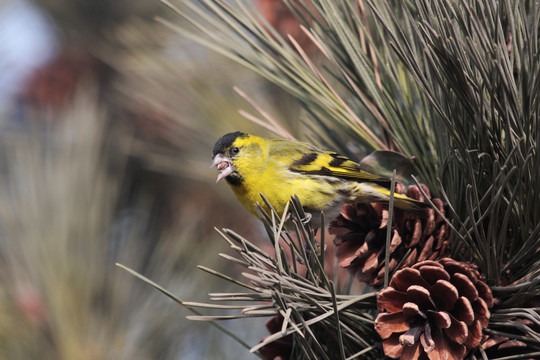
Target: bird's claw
{"x": 306, "y": 219}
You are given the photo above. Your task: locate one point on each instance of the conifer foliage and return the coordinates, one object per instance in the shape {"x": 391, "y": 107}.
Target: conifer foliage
{"x": 452, "y": 85}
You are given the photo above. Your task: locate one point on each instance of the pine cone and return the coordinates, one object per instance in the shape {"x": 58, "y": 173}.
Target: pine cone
{"x": 280, "y": 349}
{"x": 360, "y": 232}
{"x": 434, "y": 310}
{"x": 55, "y": 84}
{"x": 279, "y": 16}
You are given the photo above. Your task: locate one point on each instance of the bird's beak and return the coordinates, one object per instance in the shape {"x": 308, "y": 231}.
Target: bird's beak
{"x": 224, "y": 166}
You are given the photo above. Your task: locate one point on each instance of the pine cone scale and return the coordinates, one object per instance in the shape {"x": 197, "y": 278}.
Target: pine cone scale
{"x": 441, "y": 319}
{"x": 392, "y": 347}
{"x": 410, "y": 310}
{"x": 426, "y": 340}
{"x": 458, "y": 331}
{"x": 388, "y": 323}
{"x": 407, "y": 277}
{"x": 411, "y": 352}
{"x": 444, "y": 294}
{"x": 463, "y": 310}
{"x": 391, "y": 299}
{"x": 481, "y": 310}
{"x": 419, "y": 295}
{"x": 475, "y": 335}
{"x": 433, "y": 273}
{"x": 465, "y": 286}
{"x": 411, "y": 336}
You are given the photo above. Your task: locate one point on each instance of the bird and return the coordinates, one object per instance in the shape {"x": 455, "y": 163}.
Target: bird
{"x": 322, "y": 180}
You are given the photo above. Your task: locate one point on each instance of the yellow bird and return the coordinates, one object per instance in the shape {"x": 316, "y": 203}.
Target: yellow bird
{"x": 323, "y": 180}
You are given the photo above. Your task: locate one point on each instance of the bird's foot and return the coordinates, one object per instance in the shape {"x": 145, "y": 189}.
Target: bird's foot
{"x": 306, "y": 219}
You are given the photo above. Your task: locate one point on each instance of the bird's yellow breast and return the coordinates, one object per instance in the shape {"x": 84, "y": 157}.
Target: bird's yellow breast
{"x": 269, "y": 174}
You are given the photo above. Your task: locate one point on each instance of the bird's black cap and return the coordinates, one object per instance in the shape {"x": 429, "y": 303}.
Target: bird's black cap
{"x": 226, "y": 141}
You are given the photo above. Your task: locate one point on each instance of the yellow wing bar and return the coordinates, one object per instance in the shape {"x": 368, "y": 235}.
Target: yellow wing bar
{"x": 333, "y": 164}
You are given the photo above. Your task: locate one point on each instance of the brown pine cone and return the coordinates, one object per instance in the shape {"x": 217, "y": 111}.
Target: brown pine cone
{"x": 433, "y": 310}
{"x": 360, "y": 232}
{"x": 55, "y": 84}
{"x": 280, "y": 349}
{"x": 278, "y": 15}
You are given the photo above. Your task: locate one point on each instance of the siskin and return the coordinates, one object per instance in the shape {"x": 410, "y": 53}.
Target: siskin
{"x": 278, "y": 169}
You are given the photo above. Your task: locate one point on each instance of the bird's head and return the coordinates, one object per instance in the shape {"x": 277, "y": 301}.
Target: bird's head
{"x": 232, "y": 152}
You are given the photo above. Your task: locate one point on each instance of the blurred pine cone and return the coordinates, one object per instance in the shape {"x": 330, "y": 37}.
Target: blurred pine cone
{"x": 55, "y": 84}
{"x": 360, "y": 232}
{"x": 280, "y": 17}
{"x": 280, "y": 349}
{"x": 433, "y": 310}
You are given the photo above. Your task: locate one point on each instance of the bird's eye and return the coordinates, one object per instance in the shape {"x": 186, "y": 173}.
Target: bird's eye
{"x": 235, "y": 150}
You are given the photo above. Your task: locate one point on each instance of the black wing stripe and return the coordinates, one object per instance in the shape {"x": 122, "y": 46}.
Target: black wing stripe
{"x": 306, "y": 159}
{"x": 337, "y": 161}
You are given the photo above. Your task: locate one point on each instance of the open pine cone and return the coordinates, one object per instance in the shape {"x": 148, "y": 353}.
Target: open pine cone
{"x": 433, "y": 310}
{"x": 360, "y": 239}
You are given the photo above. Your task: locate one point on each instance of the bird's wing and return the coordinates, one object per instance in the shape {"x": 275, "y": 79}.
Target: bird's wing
{"x": 310, "y": 160}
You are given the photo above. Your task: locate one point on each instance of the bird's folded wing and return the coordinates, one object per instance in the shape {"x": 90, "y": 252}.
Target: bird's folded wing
{"x": 333, "y": 164}
{"x": 310, "y": 160}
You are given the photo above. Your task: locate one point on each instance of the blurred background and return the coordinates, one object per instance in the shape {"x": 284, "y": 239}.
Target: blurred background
{"x": 107, "y": 121}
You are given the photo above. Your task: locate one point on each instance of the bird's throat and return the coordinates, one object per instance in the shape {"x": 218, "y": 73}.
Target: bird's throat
{"x": 235, "y": 179}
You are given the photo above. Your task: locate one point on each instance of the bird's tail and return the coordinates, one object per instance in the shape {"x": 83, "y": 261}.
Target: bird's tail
{"x": 371, "y": 192}
{"x": 413, "y": 206}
